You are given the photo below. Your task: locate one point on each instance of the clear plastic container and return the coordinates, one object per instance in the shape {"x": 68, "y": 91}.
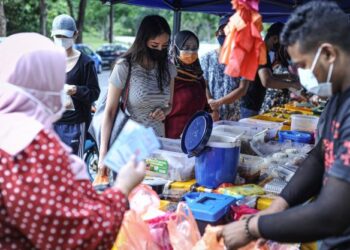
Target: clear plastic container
{"x": 170, "y": 162}
{"x": 306, "y": 123}
{"x": 244, "y": 132}
{"x": 249, "y": 167}
{"x": 272, "y": 127}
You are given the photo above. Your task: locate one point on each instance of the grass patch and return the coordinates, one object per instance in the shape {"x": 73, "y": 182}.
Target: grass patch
{"x": 93, "y": 40}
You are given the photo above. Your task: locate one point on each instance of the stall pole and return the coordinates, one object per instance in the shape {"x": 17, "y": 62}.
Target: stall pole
{"x": 176, "y": 22}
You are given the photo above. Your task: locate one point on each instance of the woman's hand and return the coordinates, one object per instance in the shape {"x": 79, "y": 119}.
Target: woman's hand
{"x": 214, "y": 104}
{"x": 158, "y": 115}
{"x": 130, "y": 176}
{"x": 70, "y": 89}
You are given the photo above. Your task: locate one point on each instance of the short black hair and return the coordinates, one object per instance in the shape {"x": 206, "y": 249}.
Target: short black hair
{"x": 317, "y": 22}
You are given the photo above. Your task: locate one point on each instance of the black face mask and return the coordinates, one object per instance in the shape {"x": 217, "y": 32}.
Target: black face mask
{"x": 158, "y": 55}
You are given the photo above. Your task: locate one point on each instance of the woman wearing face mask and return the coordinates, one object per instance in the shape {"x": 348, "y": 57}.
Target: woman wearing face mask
{"x": 322, "y": 52}
{"x": 190, "y": 89}
{"x": 47, "y": 201}
{"x": 223, "y": 91}
{"x": 151, "y": 80}
{"x": 81, "y": 86}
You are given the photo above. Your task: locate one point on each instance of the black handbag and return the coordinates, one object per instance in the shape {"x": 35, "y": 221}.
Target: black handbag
{"x": 119, "y": 120}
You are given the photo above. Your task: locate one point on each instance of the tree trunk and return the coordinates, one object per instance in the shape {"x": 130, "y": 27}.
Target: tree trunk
{"x": 111, "y": 21}
{"x": 2, "y": 19}
{"x": 105, "y": 29}
{"x": 70, "y": 8}
{"x": 43, "y": 17}
{"x": 80, "y": 21}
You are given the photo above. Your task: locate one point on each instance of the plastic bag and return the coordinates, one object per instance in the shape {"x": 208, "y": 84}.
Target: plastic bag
{"x": 159, "y": 231}
{"x": 270, "y": 245}
{"x": 209, "y": 240}
{"x": 145, "y": 202}
{"x": 243, "y": 190}
{"x": 135, "y": 234}
{"x": 183, "y": 229}
{"x": 239, "y": 211}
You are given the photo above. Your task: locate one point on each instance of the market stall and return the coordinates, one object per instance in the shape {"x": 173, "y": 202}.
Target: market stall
{"x": 220, "y": 172}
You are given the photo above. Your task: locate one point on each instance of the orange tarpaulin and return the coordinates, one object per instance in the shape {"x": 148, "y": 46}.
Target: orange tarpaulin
{"x": 244, "y": 48}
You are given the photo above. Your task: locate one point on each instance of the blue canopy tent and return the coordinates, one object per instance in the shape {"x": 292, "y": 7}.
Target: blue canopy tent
{"x": 271, "y": 10}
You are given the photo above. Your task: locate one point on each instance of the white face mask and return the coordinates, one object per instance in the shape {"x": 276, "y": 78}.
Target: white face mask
{"x": 55, "y": 112}
{"x": 310, "y": 82}
{"x": 64, "y": 42}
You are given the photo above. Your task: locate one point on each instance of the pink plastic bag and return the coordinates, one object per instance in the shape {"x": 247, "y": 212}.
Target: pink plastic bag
{"x": 183, "y": 229}
{"x": 159, "y": 231}
{"x": 136, "y": 233}
{"x": 238, "y": 211}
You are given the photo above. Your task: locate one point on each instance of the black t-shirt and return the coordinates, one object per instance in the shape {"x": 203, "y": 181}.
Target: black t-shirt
{"x": 256, "y": 92}
{"x": 84, "y": 76}
{"x": 336, "y": 144}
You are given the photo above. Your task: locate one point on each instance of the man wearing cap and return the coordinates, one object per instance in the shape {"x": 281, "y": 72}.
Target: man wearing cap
{"x": 223, "y": 91}
{"x": 81, "y": 86}
{"x": 251, "y": 103}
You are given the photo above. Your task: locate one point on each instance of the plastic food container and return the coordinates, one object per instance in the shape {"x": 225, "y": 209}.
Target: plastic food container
{"x": 306, "y": 123}
{"x": 244, "y": 132}
{"x": 216, "y": 156}
{"x": 295, "y": 136}
{"x": 271, "y": 119}
{"x": 249, "y": 167}
{"x": 272, "y": 127}
{"x": 170, "y": 162}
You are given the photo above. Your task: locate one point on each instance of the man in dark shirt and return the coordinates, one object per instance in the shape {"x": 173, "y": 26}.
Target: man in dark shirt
{"x": 321, "y": 50}
{"x": 252, "y": 101}
{"x": 81, "y": 86}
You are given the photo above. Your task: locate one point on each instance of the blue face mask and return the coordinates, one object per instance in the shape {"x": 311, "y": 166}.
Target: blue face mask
{"x": 221, "y": 39}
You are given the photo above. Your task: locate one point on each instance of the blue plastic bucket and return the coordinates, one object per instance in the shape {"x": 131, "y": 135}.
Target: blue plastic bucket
{"x": 218, "y": 162}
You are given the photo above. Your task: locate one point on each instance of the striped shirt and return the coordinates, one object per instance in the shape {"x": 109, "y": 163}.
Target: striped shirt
{"x": 144, "y": 94}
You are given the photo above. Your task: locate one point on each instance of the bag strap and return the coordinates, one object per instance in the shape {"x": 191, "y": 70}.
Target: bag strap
{"x": 127, "y": 87}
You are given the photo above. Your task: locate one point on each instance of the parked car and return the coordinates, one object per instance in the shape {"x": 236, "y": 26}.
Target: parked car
{"x": 83, "y": 48}
{"x": 110, "y": 52}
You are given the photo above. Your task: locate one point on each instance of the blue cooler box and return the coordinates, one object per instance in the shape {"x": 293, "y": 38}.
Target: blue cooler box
{"x": 209, "y": 208}
{"x": 217, "y": 156}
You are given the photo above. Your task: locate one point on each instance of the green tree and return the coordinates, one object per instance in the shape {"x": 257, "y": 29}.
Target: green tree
{"x": 22, "y": 16}
{"x": 2, "y": 19}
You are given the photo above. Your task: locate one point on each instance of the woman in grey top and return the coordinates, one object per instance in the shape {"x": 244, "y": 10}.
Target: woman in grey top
{"x": 151, "y": 81}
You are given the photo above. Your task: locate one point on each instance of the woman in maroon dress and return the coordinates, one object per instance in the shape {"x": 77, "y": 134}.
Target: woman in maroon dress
{"x": 190, "y": 87}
